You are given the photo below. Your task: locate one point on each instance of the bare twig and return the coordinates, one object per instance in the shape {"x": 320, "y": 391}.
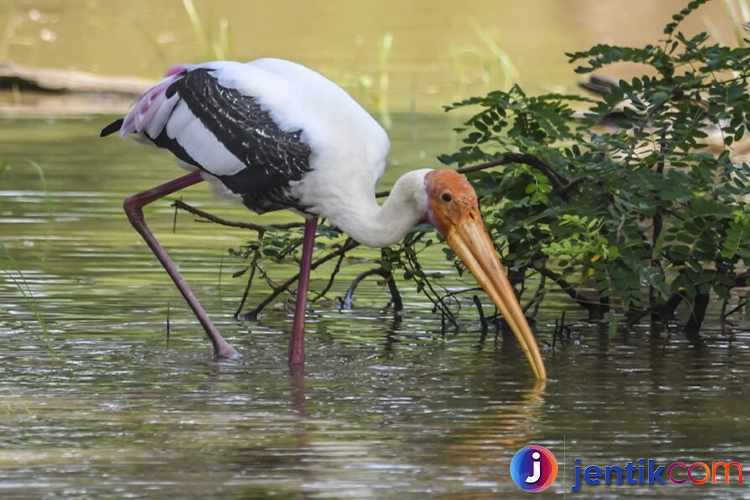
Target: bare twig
{"x": 435, "y": 298}
{"x": 253, "y": 267}
{"x": 570, "y": 185}
{"x": 224, "y": 222}
{"x": 266, "y": 277}
{"x": 252, "y": 315}
{"x": 221, "y": 273}
{"x": 735, "y": 309}
{"x": 722, "y": 315}
{"x": 332, "y": 277}
{"x": 560, "y": 329}
{"x": 672, "y": 303}
{"x": 451, "y": 295}
{"x": 537, "y": 298}
{"x": 174, "y": 221}
{"x": 527, "y": 159}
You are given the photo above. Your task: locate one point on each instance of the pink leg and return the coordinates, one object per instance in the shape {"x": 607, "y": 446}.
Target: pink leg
{"x": 134, "y": 209}
{"x": 297, "y": 340}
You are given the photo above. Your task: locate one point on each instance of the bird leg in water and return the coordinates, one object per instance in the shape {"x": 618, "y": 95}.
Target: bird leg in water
{"x": 134, "y": 210}
{"x": 297, "y": 340}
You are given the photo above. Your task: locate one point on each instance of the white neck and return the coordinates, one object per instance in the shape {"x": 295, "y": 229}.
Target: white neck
{"x": 380, "y": 226}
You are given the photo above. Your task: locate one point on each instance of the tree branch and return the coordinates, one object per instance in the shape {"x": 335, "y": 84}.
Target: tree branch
{"x": 560, "y": 186}
{"x": 572, "y": 291}
{"x": 558, "y": 183}
{"x": 224, "y": 222}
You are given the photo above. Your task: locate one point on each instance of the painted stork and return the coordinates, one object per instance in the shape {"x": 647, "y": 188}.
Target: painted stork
{"x": 277, "y": 135}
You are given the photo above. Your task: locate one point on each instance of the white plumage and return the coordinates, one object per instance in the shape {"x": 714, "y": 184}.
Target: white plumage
{"x": 279, "y": 135}
{"x": 348, "y": 147}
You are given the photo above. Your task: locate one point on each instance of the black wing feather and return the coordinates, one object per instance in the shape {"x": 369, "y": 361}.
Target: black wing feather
{"x": 272, "y": 157}
{"x": 113, "y": 127}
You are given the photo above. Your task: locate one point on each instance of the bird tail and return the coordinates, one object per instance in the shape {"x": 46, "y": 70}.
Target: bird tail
{"x": 112, "y": 128}
{"x": 148, "y": 114}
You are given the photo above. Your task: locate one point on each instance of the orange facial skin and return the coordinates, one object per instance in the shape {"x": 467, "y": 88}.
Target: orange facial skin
{"x": 453, "y": 209}
{"x": 451, "y": 199}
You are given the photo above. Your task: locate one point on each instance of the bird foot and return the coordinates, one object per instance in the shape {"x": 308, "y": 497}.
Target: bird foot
{"x": 251, "y": 316}
{"x": 225, "y": 351}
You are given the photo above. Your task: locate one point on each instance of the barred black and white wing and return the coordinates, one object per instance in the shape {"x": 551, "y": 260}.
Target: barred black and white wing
{"x": 224, "y": 132}
{"x": 273, "y": 132}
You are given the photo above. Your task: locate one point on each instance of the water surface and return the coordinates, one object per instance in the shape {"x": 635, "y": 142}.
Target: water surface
{"x": 110, "y": 406}
{"x": 382, "y": 410}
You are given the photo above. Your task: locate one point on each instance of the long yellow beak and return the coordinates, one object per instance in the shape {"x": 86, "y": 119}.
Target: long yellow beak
{"x": 470, "y": 241}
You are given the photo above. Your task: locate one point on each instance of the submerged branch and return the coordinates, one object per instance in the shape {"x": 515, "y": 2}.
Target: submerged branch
{"x": 398, "y": 305}
{"x": 480, "y": 311}
{"x": 697, "y": 315}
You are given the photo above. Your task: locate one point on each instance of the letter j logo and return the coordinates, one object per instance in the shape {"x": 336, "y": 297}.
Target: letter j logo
{"x": 533, "y": 468}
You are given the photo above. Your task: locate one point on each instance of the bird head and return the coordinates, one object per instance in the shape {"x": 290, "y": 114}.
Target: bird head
{"x": 453, "y": 208}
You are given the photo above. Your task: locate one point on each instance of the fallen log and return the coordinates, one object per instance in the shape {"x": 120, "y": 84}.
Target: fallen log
{"x": 62, "y": 81}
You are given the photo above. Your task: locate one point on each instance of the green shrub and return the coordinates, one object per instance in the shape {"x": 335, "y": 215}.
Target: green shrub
{"x": 648, "y": 212}
{"x": 633, "y": 201}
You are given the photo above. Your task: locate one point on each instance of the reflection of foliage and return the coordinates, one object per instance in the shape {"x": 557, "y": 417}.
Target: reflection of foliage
{"x": 637, "y": 217}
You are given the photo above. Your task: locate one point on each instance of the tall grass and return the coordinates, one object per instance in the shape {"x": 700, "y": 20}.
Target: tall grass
{"x": 375, "y": 88}
{"x": 10, "y": 21}
{"x": 19, "y": 281}
{"x": 385, "y": 51}
{"x": 6, "y": 37}
{"x": 497, "y": 67}
{"x": 15, "y": 274}
{"x": 739, "y": 15}
{"x": 215, "y": 45}
{"x": 497, "y": 56}
{"x": 45, "y": 186}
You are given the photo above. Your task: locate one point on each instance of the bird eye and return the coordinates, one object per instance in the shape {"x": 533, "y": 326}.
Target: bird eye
{"x": 446, "y": 197}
